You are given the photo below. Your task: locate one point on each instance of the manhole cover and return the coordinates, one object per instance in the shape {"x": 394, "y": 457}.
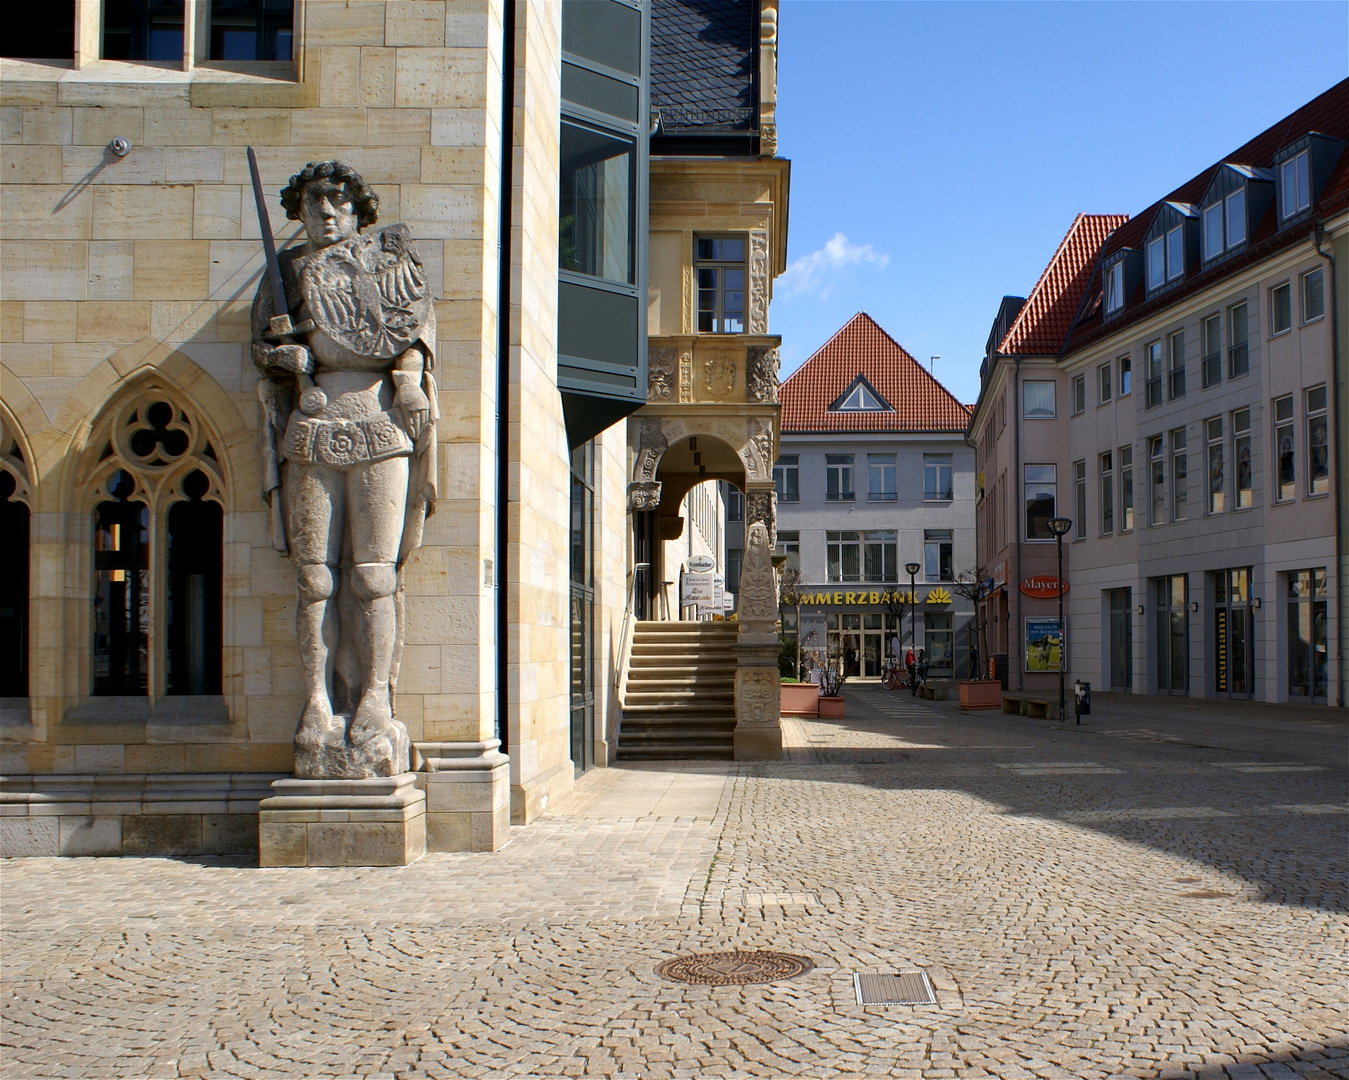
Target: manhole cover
{"x": 894, "y": 988}
{"x": 1206, "y": 894}
{"x": 734, "y": 968}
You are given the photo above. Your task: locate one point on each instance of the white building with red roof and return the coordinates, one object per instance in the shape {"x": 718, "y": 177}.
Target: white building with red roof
{"x": 874, "y": 474}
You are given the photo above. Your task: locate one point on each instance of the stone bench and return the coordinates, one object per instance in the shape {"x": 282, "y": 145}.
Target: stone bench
{"x": 1011, "y": 704}
{"x": 1041, "y": 708}
{"x": 940, "y": 691}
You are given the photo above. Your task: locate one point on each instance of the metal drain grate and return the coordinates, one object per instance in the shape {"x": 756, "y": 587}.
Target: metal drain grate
{"x": 894, "y": 988}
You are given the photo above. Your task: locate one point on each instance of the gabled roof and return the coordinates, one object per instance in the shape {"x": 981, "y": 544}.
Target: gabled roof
{"x": 1327, "y": 114}
{"x": 1046, "y": 319}
{"x": 861, "y": 348}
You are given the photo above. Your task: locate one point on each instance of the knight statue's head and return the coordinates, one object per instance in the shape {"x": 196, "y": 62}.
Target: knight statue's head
{"x": 331, "y": 200}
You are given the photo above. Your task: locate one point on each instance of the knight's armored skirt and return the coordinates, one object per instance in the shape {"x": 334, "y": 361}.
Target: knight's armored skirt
{"x": 343, "y": 443}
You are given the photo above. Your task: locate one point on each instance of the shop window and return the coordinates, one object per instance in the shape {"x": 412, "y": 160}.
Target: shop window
{"x": 1285, "y": 460}
{"x": 1217, "y": 466}
{"x": 1243, "y": 479}
{"x": 838, "y": 469}
{"x": 938, "y": 563}
{"x": 1233, "y": 640}
{"x": 1171, "y": 643}
{"x": 1308, "y": 639}
{"x": 1040, "y": 494}
{"x": 787, "y": 478}
{"x": 251, "y": 29}
{"x": 1318, "y": 442}
{"x": 143, "y": 30}
{"x": 1180, "y": 477}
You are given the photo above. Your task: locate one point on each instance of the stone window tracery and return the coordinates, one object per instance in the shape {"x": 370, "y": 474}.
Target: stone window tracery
{"x": 157, "y": 495}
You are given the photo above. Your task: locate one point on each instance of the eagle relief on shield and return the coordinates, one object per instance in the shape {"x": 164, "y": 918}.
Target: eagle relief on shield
{"x": 368, "y": 293}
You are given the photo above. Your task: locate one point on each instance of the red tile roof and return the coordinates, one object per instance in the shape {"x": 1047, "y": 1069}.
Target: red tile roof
{"x": 919, "y": 401}
{"x": 1045, "y": 320}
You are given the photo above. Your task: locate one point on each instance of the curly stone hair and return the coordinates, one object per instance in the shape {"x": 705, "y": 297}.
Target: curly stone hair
{"x": 367, "y": 202}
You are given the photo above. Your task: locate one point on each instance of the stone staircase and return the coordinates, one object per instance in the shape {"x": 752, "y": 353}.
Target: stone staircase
{"x": 679, "y": 701}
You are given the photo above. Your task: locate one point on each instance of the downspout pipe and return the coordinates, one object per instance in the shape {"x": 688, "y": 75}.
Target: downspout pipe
{"x": 505, "y": 200}
{"x": 1336, "y": 381}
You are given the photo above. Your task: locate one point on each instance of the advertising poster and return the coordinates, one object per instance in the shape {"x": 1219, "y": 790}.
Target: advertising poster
{"x": 1043, "y": 646}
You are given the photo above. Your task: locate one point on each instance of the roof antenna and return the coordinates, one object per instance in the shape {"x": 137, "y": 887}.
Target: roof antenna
{"x": 931, "y": 364}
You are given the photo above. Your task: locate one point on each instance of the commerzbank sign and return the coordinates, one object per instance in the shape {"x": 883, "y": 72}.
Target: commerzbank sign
{"x": 812, "y": 596}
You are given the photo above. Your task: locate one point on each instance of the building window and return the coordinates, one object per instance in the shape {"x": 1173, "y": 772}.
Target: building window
{"x": 1308, "y": 623}
{"x": 251, "y": 29}
{"x": 1318, "y": 445}
{"x": 121, "y": 590}
{"x": 1280, "y": 308}
{"x": 1213, "y": 230}
{"x": 1213, "y": 350}
{"x": 143, "y": 30}
{"x": 1107, "y": 493}
{"x": 937, "y": 478}
{"x": 1154, "y": 371}
{"x": 1180, "y": 477}
{"x": 1126, "y": 375}
{"x": 1126, "y": 488}
{"x": 1156, "y": 481}
{"x": 596, "y": 228}
{"x": 880, "y": 554}
{"x": 1175, "y": 253}
{"x": 1177, "y": 388}
{"x": 1313, "y": 295}
{"x": 1235, "y": 218}
{"x": 1242, "y": 493}
{"x": 1238, "y": 358}
{"x": 937, "y": 560}
{"x": 838, "y": 477}
{"x": 789, "y": 544}
{"x": 787, "y": 478}
{"x": 1295, "y": 194}
{"x": 735, "y": 503}
{"x": 720, "y": 270}
{"x": 1104, "y": 382}
{"x": 1230, "y": 214}
{"x": 1080, "y": 500}
{"x": 1217, "y": 469}
{"x": 861, "y": 556}
{"x": 1173, "y": 634}
{"x": 1156, "y": 263}
{"x": 14, "y": 526}
{"x": 1037, "y": 399}
{"x": 1114, "y": 288}
{"x": 1079, "y": 393}
{"x": 1285, "y": 464}
{"x": 735, "y": 558}
{"x": 1041, "y": 487}
{"x": 881, "y": 478}
{"x": 860, "y": 397}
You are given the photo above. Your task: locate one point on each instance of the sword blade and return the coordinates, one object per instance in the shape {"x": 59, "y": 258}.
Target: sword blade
{"x": 279, "y": 304}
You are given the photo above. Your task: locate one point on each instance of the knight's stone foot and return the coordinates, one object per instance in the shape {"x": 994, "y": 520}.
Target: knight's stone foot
{"x": 374, "y": 717}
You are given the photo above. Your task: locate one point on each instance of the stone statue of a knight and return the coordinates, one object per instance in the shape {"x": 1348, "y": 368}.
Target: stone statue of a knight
{"x": 348, "y": 414}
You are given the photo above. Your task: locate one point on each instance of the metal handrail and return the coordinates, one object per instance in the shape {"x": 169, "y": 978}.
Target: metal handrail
{"x": 624, "y": 644}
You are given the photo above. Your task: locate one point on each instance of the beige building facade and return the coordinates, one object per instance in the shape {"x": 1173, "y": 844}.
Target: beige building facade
{"x": 158, "y": 687}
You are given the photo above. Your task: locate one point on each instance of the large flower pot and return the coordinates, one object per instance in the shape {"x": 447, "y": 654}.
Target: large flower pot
{"x": 800, "y": 699}
{"x": 981, "y": 694}
{"x": 831, "y": 708}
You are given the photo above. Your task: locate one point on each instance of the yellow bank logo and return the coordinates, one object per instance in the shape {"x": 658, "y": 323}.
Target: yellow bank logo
{"x": 938, "y": 596}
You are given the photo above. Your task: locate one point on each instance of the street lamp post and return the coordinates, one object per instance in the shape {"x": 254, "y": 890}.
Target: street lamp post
{"x": 912, "y": 569}
{"x": 1059, "y": 526}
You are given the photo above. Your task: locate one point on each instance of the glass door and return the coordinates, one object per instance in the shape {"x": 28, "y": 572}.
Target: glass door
{"x": 873, "y": 644}
{"x": 1121, "y": 639}
{"x": 1307, "y": 638}
{"x": 939, "y": 643}
{"x": 1172, "y": 635}
{"x": 1233, "y": 640}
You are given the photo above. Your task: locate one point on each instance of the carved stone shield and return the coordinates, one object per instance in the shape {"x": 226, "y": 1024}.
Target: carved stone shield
{"x": 369, "y": 293}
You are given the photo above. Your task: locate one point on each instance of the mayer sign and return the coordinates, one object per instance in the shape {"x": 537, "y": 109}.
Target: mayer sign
{"x": 1043, "y": 586}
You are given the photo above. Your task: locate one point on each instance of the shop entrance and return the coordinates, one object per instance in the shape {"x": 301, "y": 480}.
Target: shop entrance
{"x": 1233, "y": 642}
{"x": 939, "y": 641}
{"x": 1121, "y": 639}
{"x": 1307, "y": 639}
{"x": 1172, "y": 637}
{"x": 877, "y": 630}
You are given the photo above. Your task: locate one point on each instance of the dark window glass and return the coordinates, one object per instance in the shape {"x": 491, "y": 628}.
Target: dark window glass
{"x": 604, "y": 32}
{"x": 40, "y": 31}
{"x": 13, "y": 592}
{"x": 596, "y": 230}
{"x": 251, "y": 29}
{"x": 143, "y": 30}
{"x": 582, "y": 605}
{"x": 121, "y": 591}
{"x": 195, "y": 591}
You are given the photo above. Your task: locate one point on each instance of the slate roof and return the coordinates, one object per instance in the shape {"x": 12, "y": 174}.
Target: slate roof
{"x": 1327, "y": 114}
{"x": 1042, "y": 325}
{"x": 704, "y": 64}
{"x": 861, "y": 347}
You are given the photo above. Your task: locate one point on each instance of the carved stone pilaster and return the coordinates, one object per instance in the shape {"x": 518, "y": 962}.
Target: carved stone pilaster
{"x": 768, "y": 77}
{"x": 644, "y": 495}
{"x": 651, "y": 447}
{"x": 761, "y": 374}
{"x": 758, "y": 281}
{"x": 661, "y": 361}
{"x": 758, "y": 696}
{"x": 758, "y": 580}
{"x": 758, "y": 452}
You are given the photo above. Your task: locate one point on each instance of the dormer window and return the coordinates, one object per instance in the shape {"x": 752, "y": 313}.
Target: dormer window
{"x": 1236, "y": 200}
{"x": 1225, "y": 224}
{"x": 861, "y": 396}
{"x": 1166, "y": 257}
{"x": 1295, "y": 193}
{"x": 1300, "y": 172}
{"x": 1114, "y": 288}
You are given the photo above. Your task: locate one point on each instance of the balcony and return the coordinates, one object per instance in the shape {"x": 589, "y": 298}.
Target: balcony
{"x": 713, "y": 369}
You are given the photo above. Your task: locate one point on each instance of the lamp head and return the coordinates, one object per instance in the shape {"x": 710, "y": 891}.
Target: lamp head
{"x": 912, "y": 568}
{"x": 1059, "y": 526}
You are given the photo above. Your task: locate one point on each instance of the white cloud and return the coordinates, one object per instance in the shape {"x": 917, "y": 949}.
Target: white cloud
{"x": 821, "y": 270}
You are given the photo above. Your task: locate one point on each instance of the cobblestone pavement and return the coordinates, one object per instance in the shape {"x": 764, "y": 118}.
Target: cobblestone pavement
{"x": 1087, "y": 904}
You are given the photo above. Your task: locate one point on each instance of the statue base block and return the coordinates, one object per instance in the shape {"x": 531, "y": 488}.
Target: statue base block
{"x": 468, "y": 795}
{"x": 758, "y": 742}
{"x": 379, "y": 822}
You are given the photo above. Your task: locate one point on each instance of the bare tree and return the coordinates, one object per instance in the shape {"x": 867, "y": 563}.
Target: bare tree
{"x": 792, "y": 593}
{"x": 969, "y": 583}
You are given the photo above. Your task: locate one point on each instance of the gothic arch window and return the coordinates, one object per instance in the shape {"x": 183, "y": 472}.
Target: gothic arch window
{"x": 158, "y": 544}
{"x": 15, "y": 503}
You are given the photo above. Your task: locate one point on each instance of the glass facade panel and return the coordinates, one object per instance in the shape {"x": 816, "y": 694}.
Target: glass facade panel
{"x": 597, "y": 227}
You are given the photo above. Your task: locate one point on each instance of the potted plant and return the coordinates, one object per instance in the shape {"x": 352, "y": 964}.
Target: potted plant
{"x": 831, "y": 693}
{"x": 800, "y": 698}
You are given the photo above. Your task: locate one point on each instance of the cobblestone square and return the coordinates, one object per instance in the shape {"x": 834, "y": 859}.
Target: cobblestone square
{"x": 1153, "y": 894}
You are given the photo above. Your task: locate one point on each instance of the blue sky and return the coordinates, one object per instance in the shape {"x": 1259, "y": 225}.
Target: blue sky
{"x": 940, "y": 150}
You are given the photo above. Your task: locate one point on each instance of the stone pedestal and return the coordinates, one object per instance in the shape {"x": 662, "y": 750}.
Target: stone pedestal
{"x": 758, "y": 694}
{"x": 378, "y": 822}
{"x": 468, "y": 795}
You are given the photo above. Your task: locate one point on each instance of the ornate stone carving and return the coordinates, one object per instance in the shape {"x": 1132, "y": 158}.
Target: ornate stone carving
{"x": 651, "y": 447}
{"x": 758, "y": 451}
{"x": 758, "y": 582}
{"x": 768, "y": 138}
{"x": 757, "y": 695}
{"x": 660, "y": 373}
{"x": 761, "y": 373}
{"x": 719, "y": 376}
{"x": 348, "y": 443}
{"x": 670, "y": 528}
{"x": 758, "y": 281}
{"x": 644, "y": 495}
{"x": 685, "y": 377}
{"x": 12, "y": 461}
{"x": 759, "y": 506}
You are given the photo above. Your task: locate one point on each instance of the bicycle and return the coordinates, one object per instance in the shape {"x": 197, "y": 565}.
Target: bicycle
{"x": 895, "y": 676}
